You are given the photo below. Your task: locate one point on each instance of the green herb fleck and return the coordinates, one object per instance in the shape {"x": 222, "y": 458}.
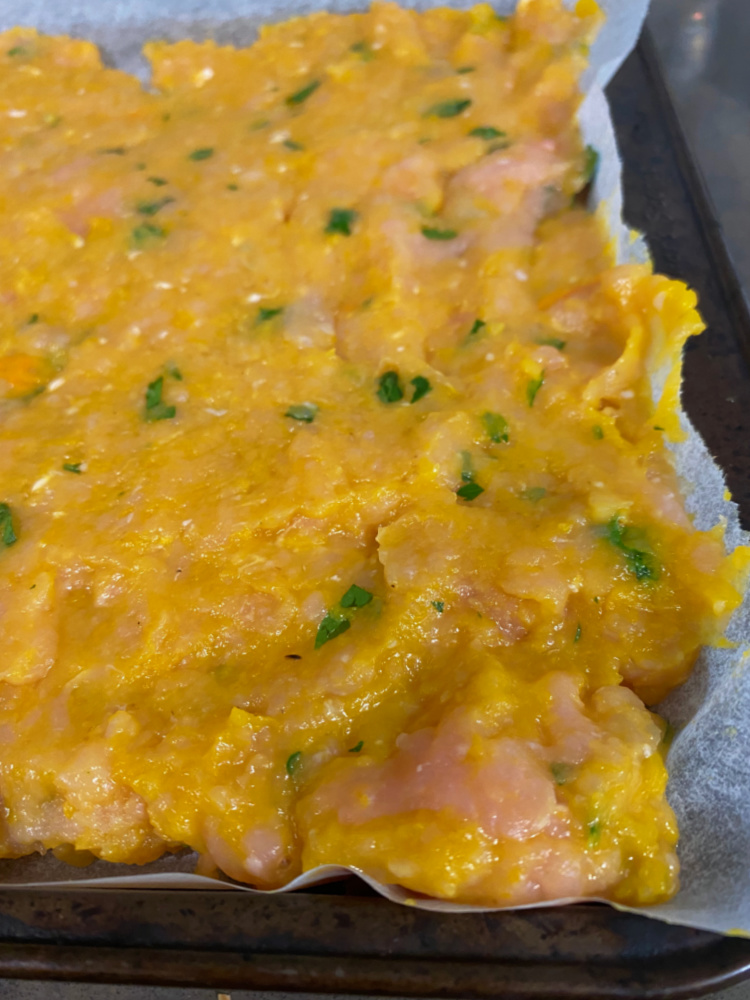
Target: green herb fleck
{"x": 552, "y": 342}
{"x": 265, "y": 314}
{"x": 357, "y": 748}
{"x": 173, "y": 371}
{"x": 448, "y": 109}
{"x": 363, "y": 50}
{"x": 152, "y": 207}
{"x": 421, "y": 388}
{"x": 291, "y": 144}
{"x": 300, "y": 96}
{"x": 561, "y": 773}
{"x": 233, "y": 187}
{"x": 304, "y": 412}
{"x": 478, "y": 325}
{"x": 390, "y": 390}
{"x": 293, "y": 762}
{"x": 259, "y": 124}
{"x": 577, "y": 636}
{"x": 590, "y": 164}
{"x": 496, "y": 427}
{"x": 157, "y": 181}
{"x": 597, "y": 431}
{"x": 534, "y": 494}
{"x": 140, "y": 166}
{"x": 34, "y": 318}
{"x": 640, "y": 562}
{"x": 439, "y": 606}
{"x": 155, "y": 408}
{"x": 333, "y": 624}
{"x": 355, "y": 597}
{"x": 431, "y": 233}
{"x": 467, "y": 469}
{"x": 594, "y": 832}
{"x": 341, "y": 220}
{"x": 532, "y": 388}
{"x": 465, "y": 69}
{"x": 114, "y": 151}
{"x": 18, "y": 50}
{"x": 657, "y": 428}
{"x": 204, "y": 153}
{"x": 8, "y": 536}
{"x": 487, "y": 132}
{"x": 73, "y": 467}
{"x": 147, "y": 232}
{"x": 469, "y": 491}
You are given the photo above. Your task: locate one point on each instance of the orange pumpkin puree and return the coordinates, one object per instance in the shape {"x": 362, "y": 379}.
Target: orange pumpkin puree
{"x": 337, "y": 522}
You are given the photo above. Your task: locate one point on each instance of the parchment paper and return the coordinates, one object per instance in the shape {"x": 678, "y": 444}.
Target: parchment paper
{"x": 709, "y": 761}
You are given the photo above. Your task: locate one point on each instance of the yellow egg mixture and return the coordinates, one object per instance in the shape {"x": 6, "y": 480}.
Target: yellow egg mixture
{"x": 337, "y": 522}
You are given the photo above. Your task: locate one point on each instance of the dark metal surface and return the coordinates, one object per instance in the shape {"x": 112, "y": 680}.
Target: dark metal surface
{"x": 343, "y": 939}
{"x": 327, "y": 943}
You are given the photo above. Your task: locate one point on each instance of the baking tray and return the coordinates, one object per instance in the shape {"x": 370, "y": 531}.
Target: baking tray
{"x": 342, "y": 938}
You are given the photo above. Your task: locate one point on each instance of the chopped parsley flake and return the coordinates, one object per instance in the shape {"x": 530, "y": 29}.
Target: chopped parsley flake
{"x": 590, "y": 164}
{"x": 204, "y": 153}
{"x": 532, "y": 388}
{"x": 657, "y": 428}
{"x": 264, "y": 314}
{"x": 552, "y": 342}
{"x": 487, "y": 132}
{"x": 534, "y": 494}
{"x": 390, "y": 390}
{"x": 421, "y": 388}
{"x": 34, "y": 318}
{"x": 8, "y": 536}
{"x": 293, "y": 762}
{"x": 152, "y": 207}
{"x": 334, "y": 624}
{"x": 174, "y": 371}
{"x": 363, "y": 50}
{"x": 291, "y": 144}
{"x": 146, "y": 233}
{"x": 478, "y": 325}
{"x": 300, "y": 96}
{"x": 341, "y": 220}
{"x": 577, "y": 636}
{"x": 155, "y": 408}
{"x": 431, "y": 233}
{"x": 597, "y": 431}
{"x": 259, "y": 124}
{"x": 594, "y": 831}
{"x": 73, "y": 467}
{"x": 355, "y": 597}
{"x": 561, "y": 773}
{"x": 233, "y": 187}
{"x": 496, "y": 427}
{"x": 18, "y": 50}
{"x": 157, "y": 181}
{"x": 640, "y": 562}
{"x": 357, "y": 748}
{"x": 439, "y": 606}
{"x": 465, "y": 69}
{"x": 469, "y": 491}
{"x": 304, "y": 412}
{"x": 448, "y": 109}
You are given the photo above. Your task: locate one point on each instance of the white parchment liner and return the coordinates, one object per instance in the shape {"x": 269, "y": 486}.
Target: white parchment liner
{"x": 709, "y": 761}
